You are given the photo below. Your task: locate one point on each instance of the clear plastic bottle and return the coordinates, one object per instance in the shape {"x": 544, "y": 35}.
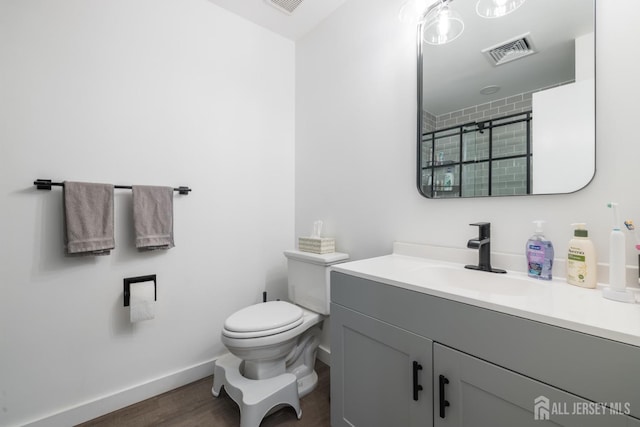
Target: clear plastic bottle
{"x": 540, "y": 254}
{"x": 448, "y": 180}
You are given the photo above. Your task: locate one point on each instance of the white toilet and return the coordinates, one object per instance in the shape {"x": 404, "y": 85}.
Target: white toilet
{"x": 273, "y": 345}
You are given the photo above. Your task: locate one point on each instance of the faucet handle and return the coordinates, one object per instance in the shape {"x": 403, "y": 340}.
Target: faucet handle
{"x": 482, "y": 243}
{"x": 485, "y": 229}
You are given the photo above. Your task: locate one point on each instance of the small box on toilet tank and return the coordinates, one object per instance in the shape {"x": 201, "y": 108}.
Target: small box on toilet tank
{"x": 317, "y": 245}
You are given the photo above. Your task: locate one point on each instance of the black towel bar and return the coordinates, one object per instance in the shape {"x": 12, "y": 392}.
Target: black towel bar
{"x": 46, "y": 184}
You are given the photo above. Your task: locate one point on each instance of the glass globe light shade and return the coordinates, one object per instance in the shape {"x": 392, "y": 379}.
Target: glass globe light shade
{"x": 497, "y": 8}
{"x": 412, "y": 11}
{"x": 442, "y": 25}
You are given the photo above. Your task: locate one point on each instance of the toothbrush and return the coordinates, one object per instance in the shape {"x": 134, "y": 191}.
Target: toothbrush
{"x": 629, "y": 224}
{"x": 616, "y": 253}
{"x": 616, "y": 216}
{"x": 617, "y": 266}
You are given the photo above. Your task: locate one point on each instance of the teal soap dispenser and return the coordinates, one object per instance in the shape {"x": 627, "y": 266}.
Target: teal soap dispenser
{"x": 540, "y": 254}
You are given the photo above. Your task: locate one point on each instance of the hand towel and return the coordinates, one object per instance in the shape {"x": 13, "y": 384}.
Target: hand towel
{"x": 88, "y": 215}
{"x": 153, "y": 217}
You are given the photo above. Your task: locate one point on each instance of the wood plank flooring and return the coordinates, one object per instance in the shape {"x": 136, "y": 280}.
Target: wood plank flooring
{"x": 194, "y": 405}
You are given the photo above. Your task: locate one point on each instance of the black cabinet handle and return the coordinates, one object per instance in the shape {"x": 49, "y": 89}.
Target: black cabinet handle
{"x": 443, "y": 402}
{"x": 416, "y": 387}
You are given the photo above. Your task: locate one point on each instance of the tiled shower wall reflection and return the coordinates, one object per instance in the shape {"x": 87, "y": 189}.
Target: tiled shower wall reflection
{"x": 508, "y": 176}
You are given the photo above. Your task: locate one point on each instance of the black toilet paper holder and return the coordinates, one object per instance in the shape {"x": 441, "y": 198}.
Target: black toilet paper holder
{"x": 129, "y": 280}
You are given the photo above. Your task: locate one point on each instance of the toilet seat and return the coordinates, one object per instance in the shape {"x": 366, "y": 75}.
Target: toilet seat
{"x": 260, "y": 320}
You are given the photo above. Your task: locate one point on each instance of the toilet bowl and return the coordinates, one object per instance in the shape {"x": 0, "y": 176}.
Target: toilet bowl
{"x": 273, "y": 345}
{"x": 271, "y": 338}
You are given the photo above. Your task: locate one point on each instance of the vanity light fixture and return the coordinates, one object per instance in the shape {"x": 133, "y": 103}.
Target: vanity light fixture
{"x": 497, "y": 8}
{"x": 412, "y": 11}
{"x": 442, "y": 24}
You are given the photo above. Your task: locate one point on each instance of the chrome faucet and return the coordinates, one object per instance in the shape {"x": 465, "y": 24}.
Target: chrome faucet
{"x": 483, "y": 244}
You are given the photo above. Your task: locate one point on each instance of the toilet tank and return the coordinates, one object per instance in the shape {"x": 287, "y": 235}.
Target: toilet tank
{"x": 308, "y": 276}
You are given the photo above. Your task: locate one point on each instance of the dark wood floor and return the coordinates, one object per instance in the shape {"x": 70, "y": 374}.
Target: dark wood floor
{"x": 194, "y": 405}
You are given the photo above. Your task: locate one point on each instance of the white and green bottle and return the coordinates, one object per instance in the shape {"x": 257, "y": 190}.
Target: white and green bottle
{"x": 581, "y": 258}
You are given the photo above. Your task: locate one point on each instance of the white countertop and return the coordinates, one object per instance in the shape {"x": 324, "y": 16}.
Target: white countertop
{"x": 553, "y": 302}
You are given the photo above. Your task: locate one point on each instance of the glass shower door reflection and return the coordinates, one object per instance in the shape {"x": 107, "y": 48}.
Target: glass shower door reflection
{"x": 475, "y": 171}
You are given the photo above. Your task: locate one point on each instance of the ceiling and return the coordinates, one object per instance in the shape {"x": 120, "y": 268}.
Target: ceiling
{"x": 455, "y": 72}
{"x": 305, "y": 17}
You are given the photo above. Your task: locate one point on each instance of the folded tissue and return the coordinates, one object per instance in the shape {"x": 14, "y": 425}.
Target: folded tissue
{"x": 315, "y": 243}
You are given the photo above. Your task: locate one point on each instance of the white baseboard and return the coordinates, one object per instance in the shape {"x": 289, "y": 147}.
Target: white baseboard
{"x": 324, "y": 354}
{"x": 112, "y": 402}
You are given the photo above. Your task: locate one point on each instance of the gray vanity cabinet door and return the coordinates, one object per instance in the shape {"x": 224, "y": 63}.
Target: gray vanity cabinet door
{"x": 372, "y": 373}
{"x": 483, "y": 394}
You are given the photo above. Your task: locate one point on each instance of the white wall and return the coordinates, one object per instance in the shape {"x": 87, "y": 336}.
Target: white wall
{"x": 163, "y": 92}
{"x": 563, "y": 146}
{"x": 356, "y": 117}
{"x": 585, "y": 54}
{"x": 564, "y": 128}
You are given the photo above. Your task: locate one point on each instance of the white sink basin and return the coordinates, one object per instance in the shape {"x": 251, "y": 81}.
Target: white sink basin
{"x": 483, "y": 282}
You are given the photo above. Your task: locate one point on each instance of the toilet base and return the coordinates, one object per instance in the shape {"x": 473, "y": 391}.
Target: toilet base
{"x": 255, "y": 398}
{"x": 307, "y": 384}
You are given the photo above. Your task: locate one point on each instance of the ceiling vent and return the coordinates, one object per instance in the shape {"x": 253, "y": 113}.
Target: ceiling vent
{"x": 510, "y": 50}
{"x": 285, "y": 6}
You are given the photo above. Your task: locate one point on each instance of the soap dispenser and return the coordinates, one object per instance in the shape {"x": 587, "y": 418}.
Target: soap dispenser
{"x": 540, "y": 253}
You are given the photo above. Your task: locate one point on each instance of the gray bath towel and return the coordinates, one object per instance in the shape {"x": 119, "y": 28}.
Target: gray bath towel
{"x": 153, "y": 217}
{"x": 88, "y": 218}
